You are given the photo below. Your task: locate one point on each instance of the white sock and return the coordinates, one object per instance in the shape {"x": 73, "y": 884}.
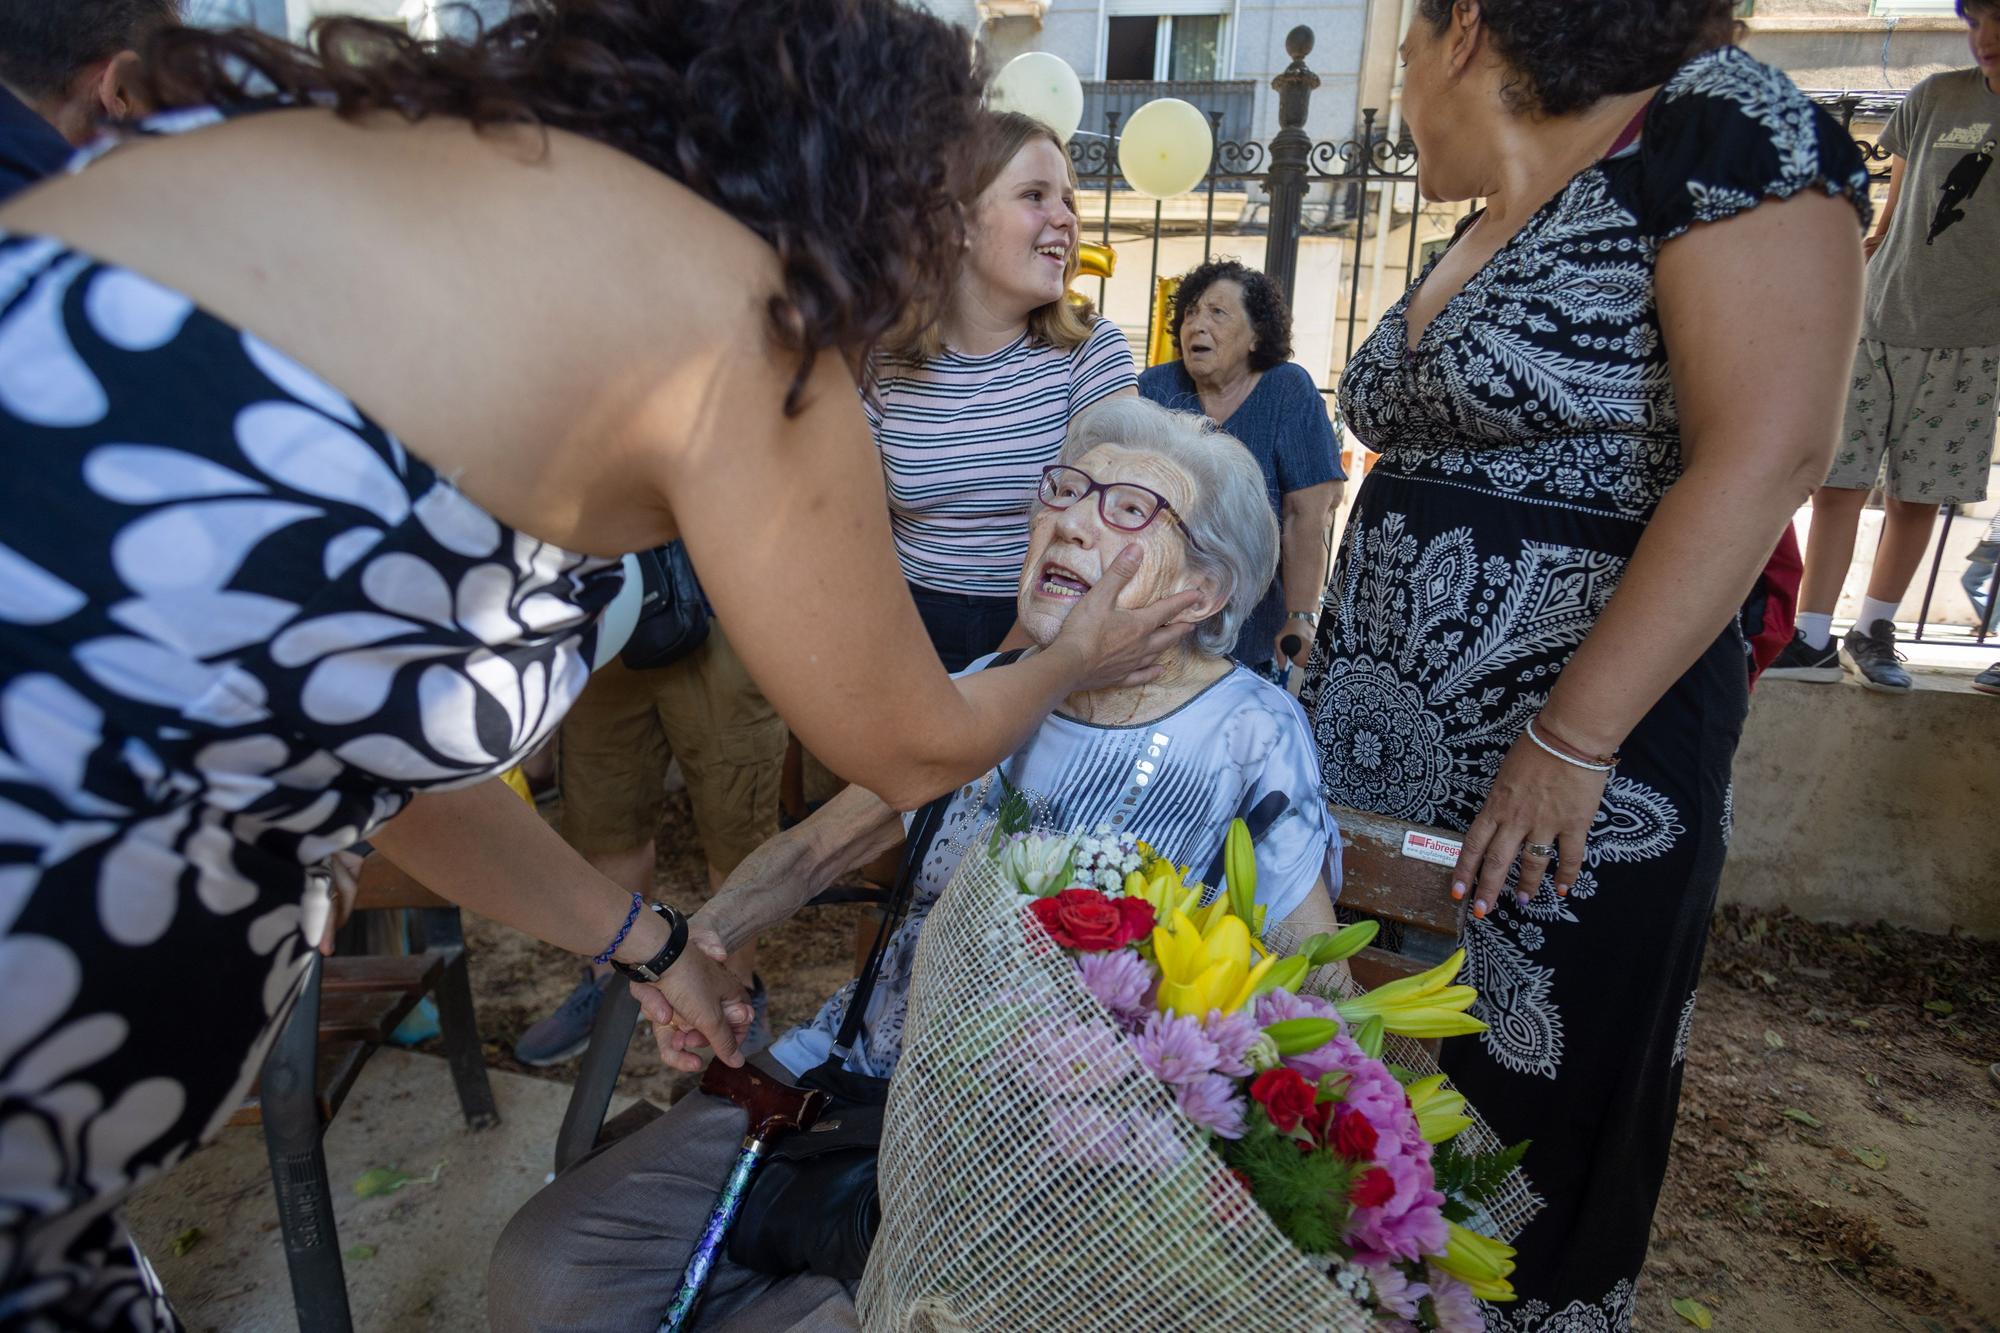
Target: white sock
{"x": 1873, "y": 610}
{"x": 1817, "y": 626}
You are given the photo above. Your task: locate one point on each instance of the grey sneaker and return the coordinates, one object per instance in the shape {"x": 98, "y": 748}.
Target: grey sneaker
{"x": 563, "y": 1034}
{"x": 1872, "y": 655}
{"x": 1988, "y": 681}
{"x": 1801, "y": 661}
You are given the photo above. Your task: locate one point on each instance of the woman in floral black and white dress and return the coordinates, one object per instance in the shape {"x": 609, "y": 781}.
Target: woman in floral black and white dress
{"x": 587, "y": 284}
{"x": 1596, "y": 412}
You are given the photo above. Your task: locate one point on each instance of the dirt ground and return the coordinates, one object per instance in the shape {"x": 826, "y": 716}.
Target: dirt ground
{"x": 1837, "y": 1164}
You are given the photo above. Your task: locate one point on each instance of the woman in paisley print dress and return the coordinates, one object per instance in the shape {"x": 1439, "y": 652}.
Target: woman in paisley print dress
{"x": 589, "y": 283}
{"x": 1596, "y": 411}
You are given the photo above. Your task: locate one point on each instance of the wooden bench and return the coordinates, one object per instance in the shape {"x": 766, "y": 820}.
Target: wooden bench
{"x": 1383, "y": 881}
{"x": 345, "y": 1011}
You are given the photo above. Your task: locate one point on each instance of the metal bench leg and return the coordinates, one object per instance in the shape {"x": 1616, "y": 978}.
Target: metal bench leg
{"x": 292, "y": 1132}
{"x": 459, "y": 1023}
{"x": 597, "y": 1077}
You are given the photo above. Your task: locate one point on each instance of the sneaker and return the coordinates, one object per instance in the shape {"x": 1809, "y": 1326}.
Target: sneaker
{"x": 1988, "y": 681}
{"x": 759, "y": 1035}
{"x": 1872, "y": 655}
{"x": 563, "y": 1034}
{"x": 1801, "y": 661}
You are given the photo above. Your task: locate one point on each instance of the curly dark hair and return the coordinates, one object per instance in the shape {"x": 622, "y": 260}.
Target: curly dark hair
{"x": 1572, "y": 53}
{"x": 1270, "y": 317}
{"x": 826, "y": 126}
{"x": 43, "y": 46}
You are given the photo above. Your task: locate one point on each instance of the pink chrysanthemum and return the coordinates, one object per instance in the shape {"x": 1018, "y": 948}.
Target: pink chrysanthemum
{"x": 1394, "y": 1291}
{"x": 1174, "y": 1049}
{"x": 1122, "y": 983}
{"x": 1281, "y": 1005}
{"x": 1212, "y": 1102}
{"x": 1233, "y": 1035}
{"x": 1409, "y": 1224}
{"x": 1457, "y": 1310}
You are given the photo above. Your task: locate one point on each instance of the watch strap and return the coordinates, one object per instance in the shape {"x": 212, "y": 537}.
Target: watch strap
{"x": 656, "y": 967}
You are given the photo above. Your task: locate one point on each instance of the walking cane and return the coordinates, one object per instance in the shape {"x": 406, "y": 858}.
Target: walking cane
{"x": 775, "y": 1108}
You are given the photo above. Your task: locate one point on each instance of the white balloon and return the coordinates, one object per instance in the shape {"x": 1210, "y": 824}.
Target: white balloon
{"x": 1040, "y": 85}
{"x": 1164, "y": 148}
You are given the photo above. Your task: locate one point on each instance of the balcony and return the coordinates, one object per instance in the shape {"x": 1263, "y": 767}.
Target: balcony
{"x": 992, "y": 11}
{"x": 1234, "y": 99}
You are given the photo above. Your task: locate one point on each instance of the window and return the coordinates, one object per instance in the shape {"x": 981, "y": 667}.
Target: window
{"x": 1898, "y": 8}
{"x": 1128, "y": 47}
{"x": 1163, "y": 46}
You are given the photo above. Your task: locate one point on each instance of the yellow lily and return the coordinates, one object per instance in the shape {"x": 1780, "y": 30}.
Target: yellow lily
{"x": 1480, "y": 1262}
{"x": 1203, "y": 970}
{"x": 1159, "y": 883}
{"x": 1423, "y": 1006}
{"x": 1440, "y": 1111}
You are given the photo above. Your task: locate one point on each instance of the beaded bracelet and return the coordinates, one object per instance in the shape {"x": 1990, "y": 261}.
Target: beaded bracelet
{"x": 638, "y": 901}
{"x": 1567, "y": 759}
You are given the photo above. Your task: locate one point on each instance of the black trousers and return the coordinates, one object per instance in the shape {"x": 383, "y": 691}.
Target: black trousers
{"x": 963, "y": 628}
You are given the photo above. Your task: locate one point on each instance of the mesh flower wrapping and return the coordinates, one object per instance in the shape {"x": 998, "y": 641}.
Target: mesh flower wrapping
{"x": 1034, "y": 1173}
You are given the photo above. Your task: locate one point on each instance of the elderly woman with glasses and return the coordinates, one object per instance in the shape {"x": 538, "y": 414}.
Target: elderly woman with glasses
{"x": 1171, "y": 761}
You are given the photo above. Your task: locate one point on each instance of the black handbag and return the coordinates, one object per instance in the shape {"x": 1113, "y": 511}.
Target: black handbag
{"x": 673, "y": 615}
{"x": 813, "y": 1207}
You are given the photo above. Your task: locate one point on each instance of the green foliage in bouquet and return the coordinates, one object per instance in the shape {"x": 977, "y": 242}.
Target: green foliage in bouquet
{"x": 1305, "y": 1193}
{"x": 1467, "y": 1178}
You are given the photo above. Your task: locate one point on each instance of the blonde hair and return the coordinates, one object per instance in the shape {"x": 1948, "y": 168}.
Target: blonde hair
{"x": 997, "y": 138}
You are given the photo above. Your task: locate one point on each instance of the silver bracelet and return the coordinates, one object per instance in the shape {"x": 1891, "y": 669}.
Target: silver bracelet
{"x": 1571, "y": 760}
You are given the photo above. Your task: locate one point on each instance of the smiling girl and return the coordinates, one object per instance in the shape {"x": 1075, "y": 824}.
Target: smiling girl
{"x": 973, "y": 405}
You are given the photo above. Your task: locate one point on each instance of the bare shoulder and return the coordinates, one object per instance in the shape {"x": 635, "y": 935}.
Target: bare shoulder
{"x": 504, "y": 301}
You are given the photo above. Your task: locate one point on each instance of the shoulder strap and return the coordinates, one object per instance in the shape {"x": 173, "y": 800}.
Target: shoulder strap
{"x": 923, "y": 832}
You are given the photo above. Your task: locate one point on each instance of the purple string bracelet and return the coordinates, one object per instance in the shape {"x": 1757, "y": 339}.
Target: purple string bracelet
{"x": 638, "y": 901}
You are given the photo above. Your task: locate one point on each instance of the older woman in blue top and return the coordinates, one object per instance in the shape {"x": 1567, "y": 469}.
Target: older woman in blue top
{"x": 1234, "y": 333}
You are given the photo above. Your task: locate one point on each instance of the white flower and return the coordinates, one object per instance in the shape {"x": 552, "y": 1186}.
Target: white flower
{"x": 1037, "y": 866}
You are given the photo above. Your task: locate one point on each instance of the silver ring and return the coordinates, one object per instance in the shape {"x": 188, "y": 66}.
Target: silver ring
{"x": 1545, "y": 850}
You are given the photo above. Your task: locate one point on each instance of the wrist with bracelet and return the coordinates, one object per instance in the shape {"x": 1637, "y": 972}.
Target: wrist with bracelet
{"x": 1549, "y": 742}
{"x": 654, "y": 967}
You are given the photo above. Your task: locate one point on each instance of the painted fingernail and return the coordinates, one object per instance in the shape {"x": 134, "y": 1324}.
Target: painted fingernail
{"x": 1458, "y": 893}
{"x": 1562, "y": 893}
{"x": 1522, "y": 899}
{"x": 1479, "y": 910}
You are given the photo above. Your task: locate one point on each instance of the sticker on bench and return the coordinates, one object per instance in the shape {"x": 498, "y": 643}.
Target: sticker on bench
{"x": 1430, "y": 847}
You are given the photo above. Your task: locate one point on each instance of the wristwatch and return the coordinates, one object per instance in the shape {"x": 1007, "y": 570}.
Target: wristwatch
{"x": 1310, "y": 617}
{"x": 656, "y": 967}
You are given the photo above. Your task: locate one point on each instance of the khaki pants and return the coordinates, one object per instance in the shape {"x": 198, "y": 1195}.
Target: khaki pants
{"x": 629, "y": 725}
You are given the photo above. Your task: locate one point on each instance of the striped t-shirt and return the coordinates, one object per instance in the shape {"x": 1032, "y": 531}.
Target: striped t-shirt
{"x": 964, "y": 440}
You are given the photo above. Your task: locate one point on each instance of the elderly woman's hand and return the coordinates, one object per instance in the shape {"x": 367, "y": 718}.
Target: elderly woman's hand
{"x": 1116, "y": 646}
{"x": 697, "y": 1005}
{"x": 1538, "y": 802}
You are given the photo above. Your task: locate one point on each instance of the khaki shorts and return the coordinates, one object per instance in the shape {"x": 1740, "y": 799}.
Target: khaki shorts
{"x": 629, "y": 725}
{"x": 1924, "y": 417}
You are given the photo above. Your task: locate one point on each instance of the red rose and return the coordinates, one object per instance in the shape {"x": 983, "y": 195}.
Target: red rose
{"x": 1374, "y": 1189}
{"x": 1086, "y": 920}
{"x": 1135, "y": 919}
{"x": 1285, "y": 1096}
{"x": 1352, "y": 1137}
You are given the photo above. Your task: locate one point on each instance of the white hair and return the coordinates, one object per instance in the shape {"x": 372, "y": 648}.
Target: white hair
{"x": 1235, "y": 533}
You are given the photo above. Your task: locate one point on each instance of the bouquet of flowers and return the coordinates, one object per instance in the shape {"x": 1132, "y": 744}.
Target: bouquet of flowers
{"x": 1148, "y": 1071}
